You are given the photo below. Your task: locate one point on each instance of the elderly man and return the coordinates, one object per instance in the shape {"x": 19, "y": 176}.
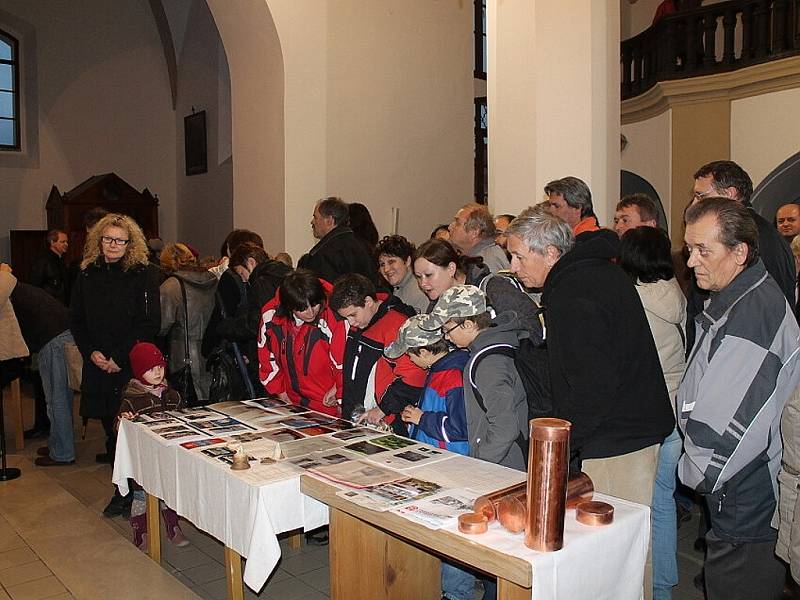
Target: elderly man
{"x": 742, "y": 369}
{"x": 472, "y": 232}
{"x": 570, "y": 199}
{"x": 337, "y": 252}
{"x": 787, "y": 220}
{"x": 48, "y": 270}
{"x": 604, "y": 369}
{"x": 635, "y": 210}
{"x": 501, "y": 223}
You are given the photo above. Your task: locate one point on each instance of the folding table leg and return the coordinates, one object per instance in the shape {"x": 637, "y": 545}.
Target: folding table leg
{"x": 153, "y": 529}
{"x": 233, "y": 574}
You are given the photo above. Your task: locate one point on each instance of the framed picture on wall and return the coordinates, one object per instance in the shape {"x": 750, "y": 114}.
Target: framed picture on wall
{"x": 195, "y": 147}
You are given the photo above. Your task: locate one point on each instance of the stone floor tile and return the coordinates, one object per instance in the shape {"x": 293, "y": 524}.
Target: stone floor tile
{"x": 37, "y": 589}
{"x": 23, "y": 573}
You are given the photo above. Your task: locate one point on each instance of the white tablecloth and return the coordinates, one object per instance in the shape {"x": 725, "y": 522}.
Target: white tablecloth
{"x": 596, "y": 563}
{"x": 245, "y": 517}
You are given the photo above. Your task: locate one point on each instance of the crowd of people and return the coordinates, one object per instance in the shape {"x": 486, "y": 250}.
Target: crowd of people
{"x": 674, "y": 368}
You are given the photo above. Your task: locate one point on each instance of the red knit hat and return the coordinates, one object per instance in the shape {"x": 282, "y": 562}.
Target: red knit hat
{"x": 144, "y": 356}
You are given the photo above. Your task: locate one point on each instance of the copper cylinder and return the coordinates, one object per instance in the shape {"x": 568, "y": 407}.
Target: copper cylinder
{"x": 548, "y": 468}
{"x": 580, "y": 488}
{"x": 487, "y": 504}
{"x": 512, "y": 510}
{"x": 594, "y": 513}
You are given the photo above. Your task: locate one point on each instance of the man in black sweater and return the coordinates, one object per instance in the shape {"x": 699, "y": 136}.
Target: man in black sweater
{"x": 604, "y": 370}
{"x": 338, "y": 252}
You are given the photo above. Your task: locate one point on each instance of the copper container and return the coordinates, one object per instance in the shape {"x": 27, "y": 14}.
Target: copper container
{"x": 594, "y": 513}
{"x": 473, "y": 523}
{"x": 512, "y": 509}
{"x": 548, "y": 468}
{"x": 488, "y": 503}
{"x": 580, "y": 488}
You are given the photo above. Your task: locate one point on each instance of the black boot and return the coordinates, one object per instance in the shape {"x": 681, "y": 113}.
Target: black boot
{"x": 119, "y": 506}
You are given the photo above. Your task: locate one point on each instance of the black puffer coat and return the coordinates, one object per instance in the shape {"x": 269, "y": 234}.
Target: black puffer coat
{"x": 111, "y": 310}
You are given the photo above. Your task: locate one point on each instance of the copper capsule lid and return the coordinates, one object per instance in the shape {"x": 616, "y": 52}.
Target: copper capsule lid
{"x": 473, "y": 523}
{"x": 550, "y": 430}
{"x": 594, "y": 513}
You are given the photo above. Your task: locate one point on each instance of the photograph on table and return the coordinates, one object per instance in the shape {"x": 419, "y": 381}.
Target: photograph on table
{"x": 355, "y": 433}
{"x": 267, "y": 402}
{"x": 365, "y": 448}
{"x": 162, "y": 431}
{"x": 356, "y": 473}
{"x": 412, "y": 457}
{"x": 320, "y": 443}
{"x": 217, "y": 452}
{"x": 315, "y": 430}
{"x": 400, "y": 492}
{"x": 319, "y": 459}
{"x": 297, "y": 422}
{"x": 202, "y": 443}
{"x": 180, "y": 434}
{"x": 393, "y": 442}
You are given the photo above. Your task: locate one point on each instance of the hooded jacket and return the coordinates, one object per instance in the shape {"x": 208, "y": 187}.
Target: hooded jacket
{"x": 304, "y": 360}
{"x": 370, "y": 378}
{"x": 604, "y": 370}
{"x": 742, "y": 370}
{"x": 665, "y": 309}
{"x": 493, "y": 433}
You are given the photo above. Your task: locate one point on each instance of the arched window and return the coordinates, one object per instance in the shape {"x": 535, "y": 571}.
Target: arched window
{"x": 9, "y": 92}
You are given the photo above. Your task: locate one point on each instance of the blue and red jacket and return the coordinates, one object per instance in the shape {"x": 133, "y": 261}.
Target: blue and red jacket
{"x": 444, "y": 422}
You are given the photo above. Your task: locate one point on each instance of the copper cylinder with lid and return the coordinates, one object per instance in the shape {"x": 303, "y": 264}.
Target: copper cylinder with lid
{"x": 548, "y": 469}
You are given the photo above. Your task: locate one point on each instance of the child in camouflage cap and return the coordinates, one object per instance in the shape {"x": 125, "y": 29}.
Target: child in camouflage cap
{"x": 438, "y": 418}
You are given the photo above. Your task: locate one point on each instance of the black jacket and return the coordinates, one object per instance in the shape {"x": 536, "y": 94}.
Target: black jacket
{"x": 339, "y": 253}
{"x": 604, "y": 369}
{"x": 111, "y": 310}
{"x": 50, "y": 273}
{"x": 40, "y": 316}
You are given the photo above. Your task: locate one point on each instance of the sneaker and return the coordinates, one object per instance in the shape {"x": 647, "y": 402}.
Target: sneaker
{"x": 43, "y": 451}
{"x": 320, "y": 538}
{"x": 178, "y": 538}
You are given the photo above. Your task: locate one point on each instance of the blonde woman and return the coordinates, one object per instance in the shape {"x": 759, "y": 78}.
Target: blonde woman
{"x": 115, "y": 303}
{"x": 180, "y": 266}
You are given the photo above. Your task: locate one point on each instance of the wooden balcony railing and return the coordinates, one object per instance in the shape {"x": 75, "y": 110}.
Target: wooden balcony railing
{"x": 710, "y": 39}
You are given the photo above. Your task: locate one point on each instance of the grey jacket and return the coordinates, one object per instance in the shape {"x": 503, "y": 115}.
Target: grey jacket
{"x": 493, "y": 434}
{"x": 200, "y": 289}
{"x": 408, "y": 291}
{"x": 493, "y": 255}
{"x": 742, "y": 369}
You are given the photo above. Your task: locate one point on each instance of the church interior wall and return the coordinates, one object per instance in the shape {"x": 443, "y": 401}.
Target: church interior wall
{"x": 104, "y": 105}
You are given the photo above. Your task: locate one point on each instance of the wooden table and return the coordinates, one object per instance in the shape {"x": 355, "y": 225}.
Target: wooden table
{"x": 380, "y": 555}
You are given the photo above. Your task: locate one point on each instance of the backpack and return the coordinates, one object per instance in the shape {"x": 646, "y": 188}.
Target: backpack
{"x": 530, "y": 361}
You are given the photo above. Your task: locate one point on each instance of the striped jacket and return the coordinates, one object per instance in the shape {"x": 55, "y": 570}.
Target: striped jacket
{"x": 742, "y": 369}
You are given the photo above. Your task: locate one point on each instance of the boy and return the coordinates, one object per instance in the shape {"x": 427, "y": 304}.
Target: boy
{"x": 494, "y": 397}
{"x": 439, "y": 418}
{"x": 371, "y": 381}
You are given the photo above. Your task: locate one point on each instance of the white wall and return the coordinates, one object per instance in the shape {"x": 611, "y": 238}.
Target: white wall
{"x": 765, "y": 131}
{"x": 649, "y": 154}
{"x": 203, "y": 84}
{"x": 104, "y": 105}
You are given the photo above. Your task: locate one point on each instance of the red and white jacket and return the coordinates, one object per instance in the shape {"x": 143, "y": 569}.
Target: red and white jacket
{"x": 304, "y": 360}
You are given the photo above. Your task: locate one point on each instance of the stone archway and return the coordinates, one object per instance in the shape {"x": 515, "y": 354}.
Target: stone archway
{"x": 631, "y": 183}
{"x": 781, "y": 186}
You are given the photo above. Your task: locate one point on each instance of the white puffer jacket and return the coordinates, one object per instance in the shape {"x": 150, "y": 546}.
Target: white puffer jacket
{"x": 665, "y": 308}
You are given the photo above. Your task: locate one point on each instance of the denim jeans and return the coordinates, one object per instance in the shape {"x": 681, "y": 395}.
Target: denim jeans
{"x": 664, "y": 522}
{"x": 58, "y": 395}
{"x": 457, "y": 583}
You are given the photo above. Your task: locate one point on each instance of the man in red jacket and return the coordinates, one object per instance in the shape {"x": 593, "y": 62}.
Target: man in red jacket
{"x": 382, "y": 386}
{"x": 301, "y": 344}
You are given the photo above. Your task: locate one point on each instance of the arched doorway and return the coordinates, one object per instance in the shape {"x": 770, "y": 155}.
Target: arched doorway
{"x": 781, "y": 186}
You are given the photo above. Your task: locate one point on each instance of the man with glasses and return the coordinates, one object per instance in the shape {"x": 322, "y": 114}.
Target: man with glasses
{"x": 727, "y": 179}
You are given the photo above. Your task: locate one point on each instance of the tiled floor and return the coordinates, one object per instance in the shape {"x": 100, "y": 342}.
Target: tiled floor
{"x": 301, "y": 575}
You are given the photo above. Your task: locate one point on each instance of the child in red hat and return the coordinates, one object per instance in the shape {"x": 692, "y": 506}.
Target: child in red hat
{"x": 148, "y": 392}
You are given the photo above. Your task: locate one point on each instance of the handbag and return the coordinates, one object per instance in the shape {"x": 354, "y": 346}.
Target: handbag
{"x": 182, "y": 380}
{"x": 229, "y": 377}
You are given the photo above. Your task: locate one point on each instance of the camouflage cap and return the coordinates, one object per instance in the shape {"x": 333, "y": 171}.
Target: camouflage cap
{"x": 458, "y": 301}
{"x": 410, "y": 335}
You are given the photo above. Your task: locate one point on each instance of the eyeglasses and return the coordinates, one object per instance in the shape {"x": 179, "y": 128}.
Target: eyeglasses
{"x": 447, "y": 331}
{"x": 112, "y": 241}
{"x": 701, "y": 195}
